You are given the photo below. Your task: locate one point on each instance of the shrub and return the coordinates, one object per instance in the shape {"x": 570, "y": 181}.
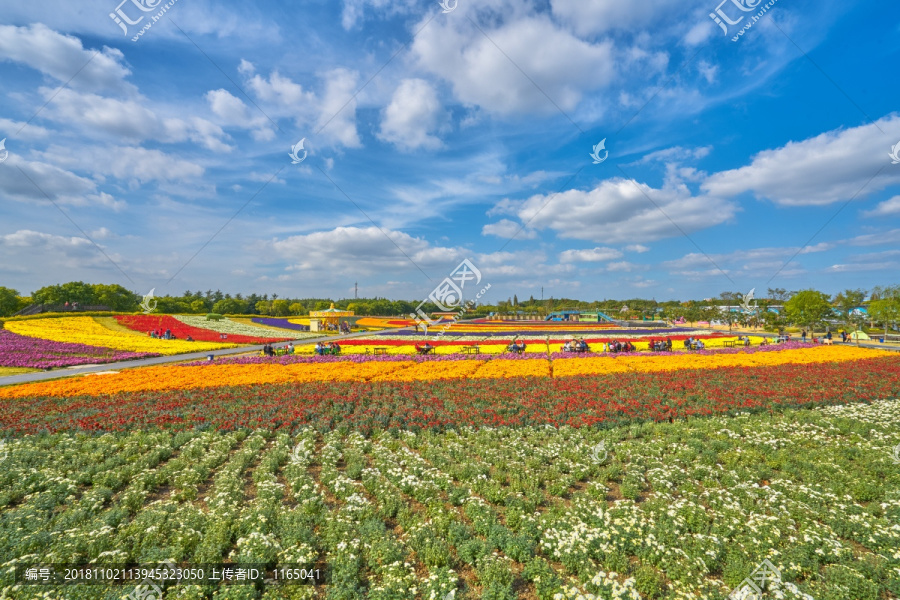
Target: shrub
{"x": 213, "y": 317}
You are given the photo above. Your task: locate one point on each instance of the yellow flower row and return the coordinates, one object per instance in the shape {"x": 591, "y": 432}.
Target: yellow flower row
{"x": 531, "y": 346}
{"x": 811, "y": 355}
{"x": 174, "y": 377}
{"x": 85, "y": 330}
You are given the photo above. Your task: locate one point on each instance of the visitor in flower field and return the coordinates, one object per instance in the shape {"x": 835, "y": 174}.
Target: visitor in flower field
{"x": 290, "y": 347}
{"x": 803, "y": 336}
{"x": 189, "y": 339}
{"x": 668, "y": 343}
{"x": 516, "y": 346}
{"x": 424, "y": 348}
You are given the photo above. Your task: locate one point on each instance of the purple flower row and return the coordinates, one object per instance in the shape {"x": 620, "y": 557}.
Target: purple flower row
{"x": 35, "y": 353}
{"x": 536, "y": 333}
{"x": 280, "y": 323}
{"x": 350, "y": 358}
{"x": 682, "y": 351}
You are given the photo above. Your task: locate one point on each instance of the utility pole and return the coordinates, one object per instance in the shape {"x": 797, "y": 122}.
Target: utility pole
{"x": 356, "y": 290}
{"x": 542, "y": 293}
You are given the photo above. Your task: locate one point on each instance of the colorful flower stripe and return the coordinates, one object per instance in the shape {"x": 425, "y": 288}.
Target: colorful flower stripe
{"x": 230, "y": 327}
{"x": 537, "y": 324}
{"x": 85, "y": 330}
{"x": 361, "y": 357}
{"x": 406, "y": 346}
{"x": 403, "y": 337}
{"x": 280, "y": 323}
{"x": 524, "y": 332}
{"x": 606, "y": 400}
{"x": 146, "y": 323}
{"x": 384, "y": 323}
{"x": 22, "y": 351}
{"x": 677, "y": 362}
{"x": 175, "y": 377}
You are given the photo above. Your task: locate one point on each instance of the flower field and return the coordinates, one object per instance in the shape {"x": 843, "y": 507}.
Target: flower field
{"x": 85, "y": 330}
{"x": 314, "y": 369}
{"x": 231, "y": 327}
{"x": 682, "y": 510}
{"x": 210, "y": 332}
{"x": 21, "y": 351}
{"x": 285, "y": 324}
{"x": 542, "y": 476}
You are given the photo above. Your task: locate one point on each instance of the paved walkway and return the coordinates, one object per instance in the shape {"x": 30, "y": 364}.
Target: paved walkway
{"x": 162, "y": 360}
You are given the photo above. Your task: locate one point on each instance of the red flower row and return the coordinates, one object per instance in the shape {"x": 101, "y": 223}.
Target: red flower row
{"x": 147, "y": 323}
{"x": 577, "y": 401}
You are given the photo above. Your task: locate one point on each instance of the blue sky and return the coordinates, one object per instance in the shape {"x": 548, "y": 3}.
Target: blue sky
{"x": 435, "y": 136}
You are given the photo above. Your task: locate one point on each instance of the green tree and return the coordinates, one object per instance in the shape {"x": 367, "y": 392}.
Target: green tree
{"x": 281, "y": 307}
{"x": 692, "y": 313}
{"x": 228, "y": 306}
{"x": 807, "y": 308}
{"x": 846, "y": 301}
{"x": 732, "y": 318}
{"x": 10, "y": 302}
{"x": 886, "y": 312}
{"x": 296, "y": 308}
{"x": 199, "y": 306}
{"x": 116, "y": 297}
{"x": 264, "y": 307}
{"x": 779, "y": 294}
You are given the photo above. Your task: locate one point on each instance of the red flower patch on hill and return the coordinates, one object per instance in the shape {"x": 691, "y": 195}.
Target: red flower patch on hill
{"x": 146, "y": 323}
